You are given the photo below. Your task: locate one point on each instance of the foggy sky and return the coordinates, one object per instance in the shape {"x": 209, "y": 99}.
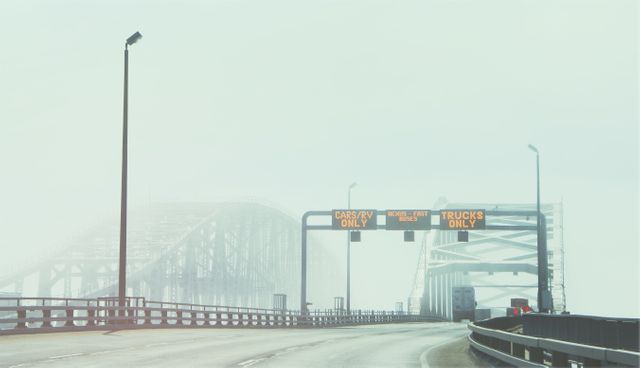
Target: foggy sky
{"x": 288, "y": 102}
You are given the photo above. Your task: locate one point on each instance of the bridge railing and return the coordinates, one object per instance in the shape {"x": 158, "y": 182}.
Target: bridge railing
{"x": 32, "y": 315}
{"x": 502, "y": 338}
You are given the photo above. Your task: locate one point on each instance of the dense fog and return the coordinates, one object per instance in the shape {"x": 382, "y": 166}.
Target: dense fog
{"x": 286, "y": 103}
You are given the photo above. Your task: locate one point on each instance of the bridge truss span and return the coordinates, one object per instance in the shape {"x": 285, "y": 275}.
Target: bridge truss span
{"x": 499, "y": 263}
{"x": 236, "y": 254}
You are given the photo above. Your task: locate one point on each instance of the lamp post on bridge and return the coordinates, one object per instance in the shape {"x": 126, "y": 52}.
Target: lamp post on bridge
{"x": 349, "y": 253}
{"x": 122, "y": 268}
{"x": 544, "y": 297}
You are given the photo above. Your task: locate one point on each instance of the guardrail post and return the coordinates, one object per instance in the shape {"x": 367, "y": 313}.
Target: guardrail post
{"x": 536, "y": 355}
{"x": 219, "y": 319}
{"x": 588, "y": 362}
{"x": 69, "y": 320}
{"x": 559, "y": 359}
{"x": 179, "y": 320}
{"x": 518, "y": 350}
{"x": 91, "y": 317}
{"x": 22, "y": 314}
{"x": 111, "y": 313}
{"x": 504, "y": 346}
{"x": 46, "y": 318}
{"x": 131, "y": 316}
{"x": 147, "y": 316}
{"x": 163, "y": 317}
{"x": 194, "y": 316}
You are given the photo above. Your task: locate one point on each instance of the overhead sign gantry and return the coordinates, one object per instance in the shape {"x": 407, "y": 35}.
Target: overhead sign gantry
{"x": 409, "y": 220}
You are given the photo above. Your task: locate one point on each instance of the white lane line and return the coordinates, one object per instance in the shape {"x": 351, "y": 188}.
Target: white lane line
{"x": 156, "y": 344}
{"x": 103, "y": 352}
{"x": 65, "y": 356}
{"x": 250, "y": 362}
{"x": 18, "y": 365}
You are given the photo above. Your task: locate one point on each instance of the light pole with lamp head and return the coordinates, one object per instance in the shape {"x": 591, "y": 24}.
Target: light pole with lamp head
{"x": 349, "y": 253}
{"x": 122, "y": 271}
{"x": 543, "y": 263}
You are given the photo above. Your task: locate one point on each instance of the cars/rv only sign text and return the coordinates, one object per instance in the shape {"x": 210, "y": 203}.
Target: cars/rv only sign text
{"x": 354, "y": 219}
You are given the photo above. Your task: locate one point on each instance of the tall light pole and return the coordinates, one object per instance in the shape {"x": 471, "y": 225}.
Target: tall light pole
{"x": 349, "y": 253}
{"x": 122, "y": 271}
{"x": 543, "y": 262}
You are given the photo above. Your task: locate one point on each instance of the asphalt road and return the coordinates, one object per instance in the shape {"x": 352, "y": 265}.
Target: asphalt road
{"x": 392, "y": 345}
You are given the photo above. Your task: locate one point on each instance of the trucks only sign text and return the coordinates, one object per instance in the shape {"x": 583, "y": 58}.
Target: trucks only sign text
{"x": 462, "y": 219}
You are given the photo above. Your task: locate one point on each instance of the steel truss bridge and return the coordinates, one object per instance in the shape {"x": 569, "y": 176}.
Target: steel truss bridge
{"x": 234, "y": 254}
{"x": 500, "y": 264}
{"x": 240, "y": 254}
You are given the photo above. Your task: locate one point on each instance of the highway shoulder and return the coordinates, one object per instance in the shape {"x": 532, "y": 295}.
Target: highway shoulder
{"x": 456, "y": 353}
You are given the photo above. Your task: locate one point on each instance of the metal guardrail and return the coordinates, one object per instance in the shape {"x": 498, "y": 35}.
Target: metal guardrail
{"x": 493, "y": 338}
{"x": 606, "y": 332}
{"x": 33, "y": 315}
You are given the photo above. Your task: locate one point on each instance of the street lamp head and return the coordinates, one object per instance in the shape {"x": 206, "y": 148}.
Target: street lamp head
{"x": 134, "y": 38}
{"x": 533, "y": 148}
{"x": 352, "y": 185}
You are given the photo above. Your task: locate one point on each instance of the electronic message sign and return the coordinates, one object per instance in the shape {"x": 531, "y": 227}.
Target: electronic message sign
{"x": 408, "y": 220}
{"x": 462, "y": 219}
{"x": 354, "y": 219}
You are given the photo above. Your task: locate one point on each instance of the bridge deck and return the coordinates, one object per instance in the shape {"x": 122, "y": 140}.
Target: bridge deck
{"x": 394, "y": 345}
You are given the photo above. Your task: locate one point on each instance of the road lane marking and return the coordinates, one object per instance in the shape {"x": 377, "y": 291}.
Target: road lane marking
{"x": 250, "y": 362}
{"x": 103, "y": 352}
{"x": 65, "y": 356}
{"x": 156, "y": 344}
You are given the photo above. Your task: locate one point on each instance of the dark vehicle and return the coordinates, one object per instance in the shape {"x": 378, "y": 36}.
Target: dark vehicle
{"x": 464, "y": 303}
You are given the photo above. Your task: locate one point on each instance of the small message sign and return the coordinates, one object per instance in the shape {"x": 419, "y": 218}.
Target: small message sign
{"x": 354, "y": 219}
{"x": 462, "y": 220}
{"x": 408, "y": 220}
